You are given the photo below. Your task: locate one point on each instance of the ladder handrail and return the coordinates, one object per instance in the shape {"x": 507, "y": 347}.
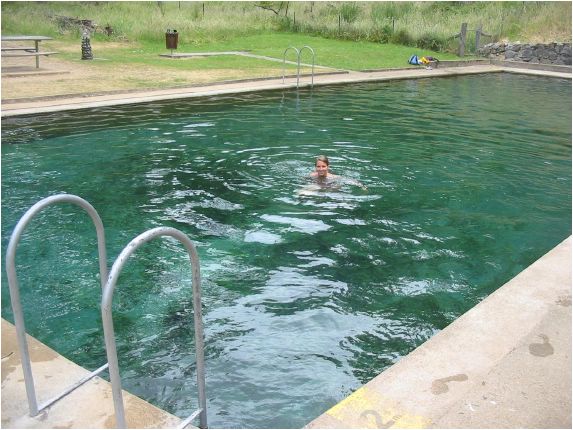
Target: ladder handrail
{"x": 298, "y": 54}
{"x": 106, "y": 311}
{"x": 15, "y": 289}
{"x": 312, "y": 51}
{"x": 298, "y": 64}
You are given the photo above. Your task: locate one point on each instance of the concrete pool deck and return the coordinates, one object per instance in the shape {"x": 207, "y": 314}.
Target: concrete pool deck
{"x": 506, "y": 363}
{"x": 89, "y": 406}
{"x": 16, "y": 107}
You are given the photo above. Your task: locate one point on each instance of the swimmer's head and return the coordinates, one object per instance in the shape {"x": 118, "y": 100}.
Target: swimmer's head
{"x": 321, "y": 165}
{"x": 322, "y": 158}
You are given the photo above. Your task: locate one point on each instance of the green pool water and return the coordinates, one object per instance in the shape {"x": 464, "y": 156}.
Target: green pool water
{"x": 306, "y": 297}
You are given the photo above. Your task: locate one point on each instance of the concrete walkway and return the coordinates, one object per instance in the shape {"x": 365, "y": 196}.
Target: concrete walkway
{"x": 54, "y": 104}
{"x": 242, "y": 54}
{"x": 89, "y": 406}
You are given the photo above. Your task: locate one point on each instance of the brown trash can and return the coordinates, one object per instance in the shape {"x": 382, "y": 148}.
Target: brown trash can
{"x": 171, "y": 39}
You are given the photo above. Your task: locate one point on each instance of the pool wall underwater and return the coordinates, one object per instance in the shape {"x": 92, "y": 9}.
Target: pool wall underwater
{"x": 275, "y": 219}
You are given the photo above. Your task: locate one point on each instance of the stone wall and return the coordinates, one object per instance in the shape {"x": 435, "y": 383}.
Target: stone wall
{"x": 550, "y": 53}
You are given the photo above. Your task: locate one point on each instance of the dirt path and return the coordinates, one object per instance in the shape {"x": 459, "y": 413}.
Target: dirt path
{"x": 59, "y": 77}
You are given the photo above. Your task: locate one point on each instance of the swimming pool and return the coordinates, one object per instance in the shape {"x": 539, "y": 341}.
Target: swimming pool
{"x": 305, "y": 297}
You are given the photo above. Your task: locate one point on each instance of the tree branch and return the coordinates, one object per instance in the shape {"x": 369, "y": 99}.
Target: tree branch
{"x": 268, "y": 7}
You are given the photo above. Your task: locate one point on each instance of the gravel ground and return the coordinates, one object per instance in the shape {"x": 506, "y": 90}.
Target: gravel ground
{"x": 59, "y": 77}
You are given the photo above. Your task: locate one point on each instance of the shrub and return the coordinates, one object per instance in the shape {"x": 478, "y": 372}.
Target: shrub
{"x": 383, "y": 34}
{"x": 349, "y": 12}
{"x": 431, "y": 42}
{"x": 402, "y": 37}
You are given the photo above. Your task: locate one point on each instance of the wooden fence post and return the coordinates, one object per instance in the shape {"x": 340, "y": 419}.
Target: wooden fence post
{"x": 478, "y": 35}
{"x": 463, "y": 31}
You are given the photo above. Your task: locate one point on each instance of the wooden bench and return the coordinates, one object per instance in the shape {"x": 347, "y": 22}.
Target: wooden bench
{"x": 14, "y": 51}
{"x": 27, "y": 54}
{"x": 19, "y": 49}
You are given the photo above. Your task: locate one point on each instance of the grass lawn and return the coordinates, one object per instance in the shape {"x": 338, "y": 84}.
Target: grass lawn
{"x": 119, "y": 66}
{"x": 336, "y": 54}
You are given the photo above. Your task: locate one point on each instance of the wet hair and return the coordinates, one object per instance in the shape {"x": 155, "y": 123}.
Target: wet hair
{"x": 322, "y": 158}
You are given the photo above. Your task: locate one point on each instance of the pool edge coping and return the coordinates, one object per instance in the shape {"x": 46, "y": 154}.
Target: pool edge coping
{"x": 88, "y": 406}
{"x": 234, "y": 87}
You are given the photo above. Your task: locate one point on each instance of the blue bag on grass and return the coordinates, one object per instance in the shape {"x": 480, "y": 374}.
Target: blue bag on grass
{"x": 413, "y": 60}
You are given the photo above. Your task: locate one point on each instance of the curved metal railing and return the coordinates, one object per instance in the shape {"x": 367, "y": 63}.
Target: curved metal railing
{"x": 15, "y": 291}
{"x": 109, "y": 336}
{"x": 312, "y": 51}
{"x": 298, "y": 63}
{"x": 298, "y": 54}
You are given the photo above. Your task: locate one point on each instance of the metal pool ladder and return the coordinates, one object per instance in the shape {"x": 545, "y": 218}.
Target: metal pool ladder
{"x": 106, "y": 303}
{"x": 298, "y": 54}
{"x": 35, "y": 409}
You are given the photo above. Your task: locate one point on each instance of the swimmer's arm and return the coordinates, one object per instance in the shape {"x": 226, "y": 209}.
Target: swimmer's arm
{"x": 357, "y": 183}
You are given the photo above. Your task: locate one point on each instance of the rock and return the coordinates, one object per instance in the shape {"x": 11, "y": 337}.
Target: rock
{"x": 545, "y": 53}
{"x": 526, "y": 54}
{"x": 510, "y": 54}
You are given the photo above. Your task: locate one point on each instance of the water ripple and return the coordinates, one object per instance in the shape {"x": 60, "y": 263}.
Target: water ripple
{"x": 308, "y": 291}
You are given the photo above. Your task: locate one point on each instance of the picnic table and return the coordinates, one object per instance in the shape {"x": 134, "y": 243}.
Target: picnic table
{"x": 29, "y": 51}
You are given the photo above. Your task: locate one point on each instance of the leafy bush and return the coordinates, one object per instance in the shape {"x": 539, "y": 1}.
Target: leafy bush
{"x": 402, "y": 37}
{"x": 283, "y": 23}
{"x": 431, "y": 42}
{"x": 382, "y": 35}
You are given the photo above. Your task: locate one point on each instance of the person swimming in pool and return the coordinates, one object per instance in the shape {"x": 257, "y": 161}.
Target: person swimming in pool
{"x": 323, "y": 176}
{"x": 321, "y": 170}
